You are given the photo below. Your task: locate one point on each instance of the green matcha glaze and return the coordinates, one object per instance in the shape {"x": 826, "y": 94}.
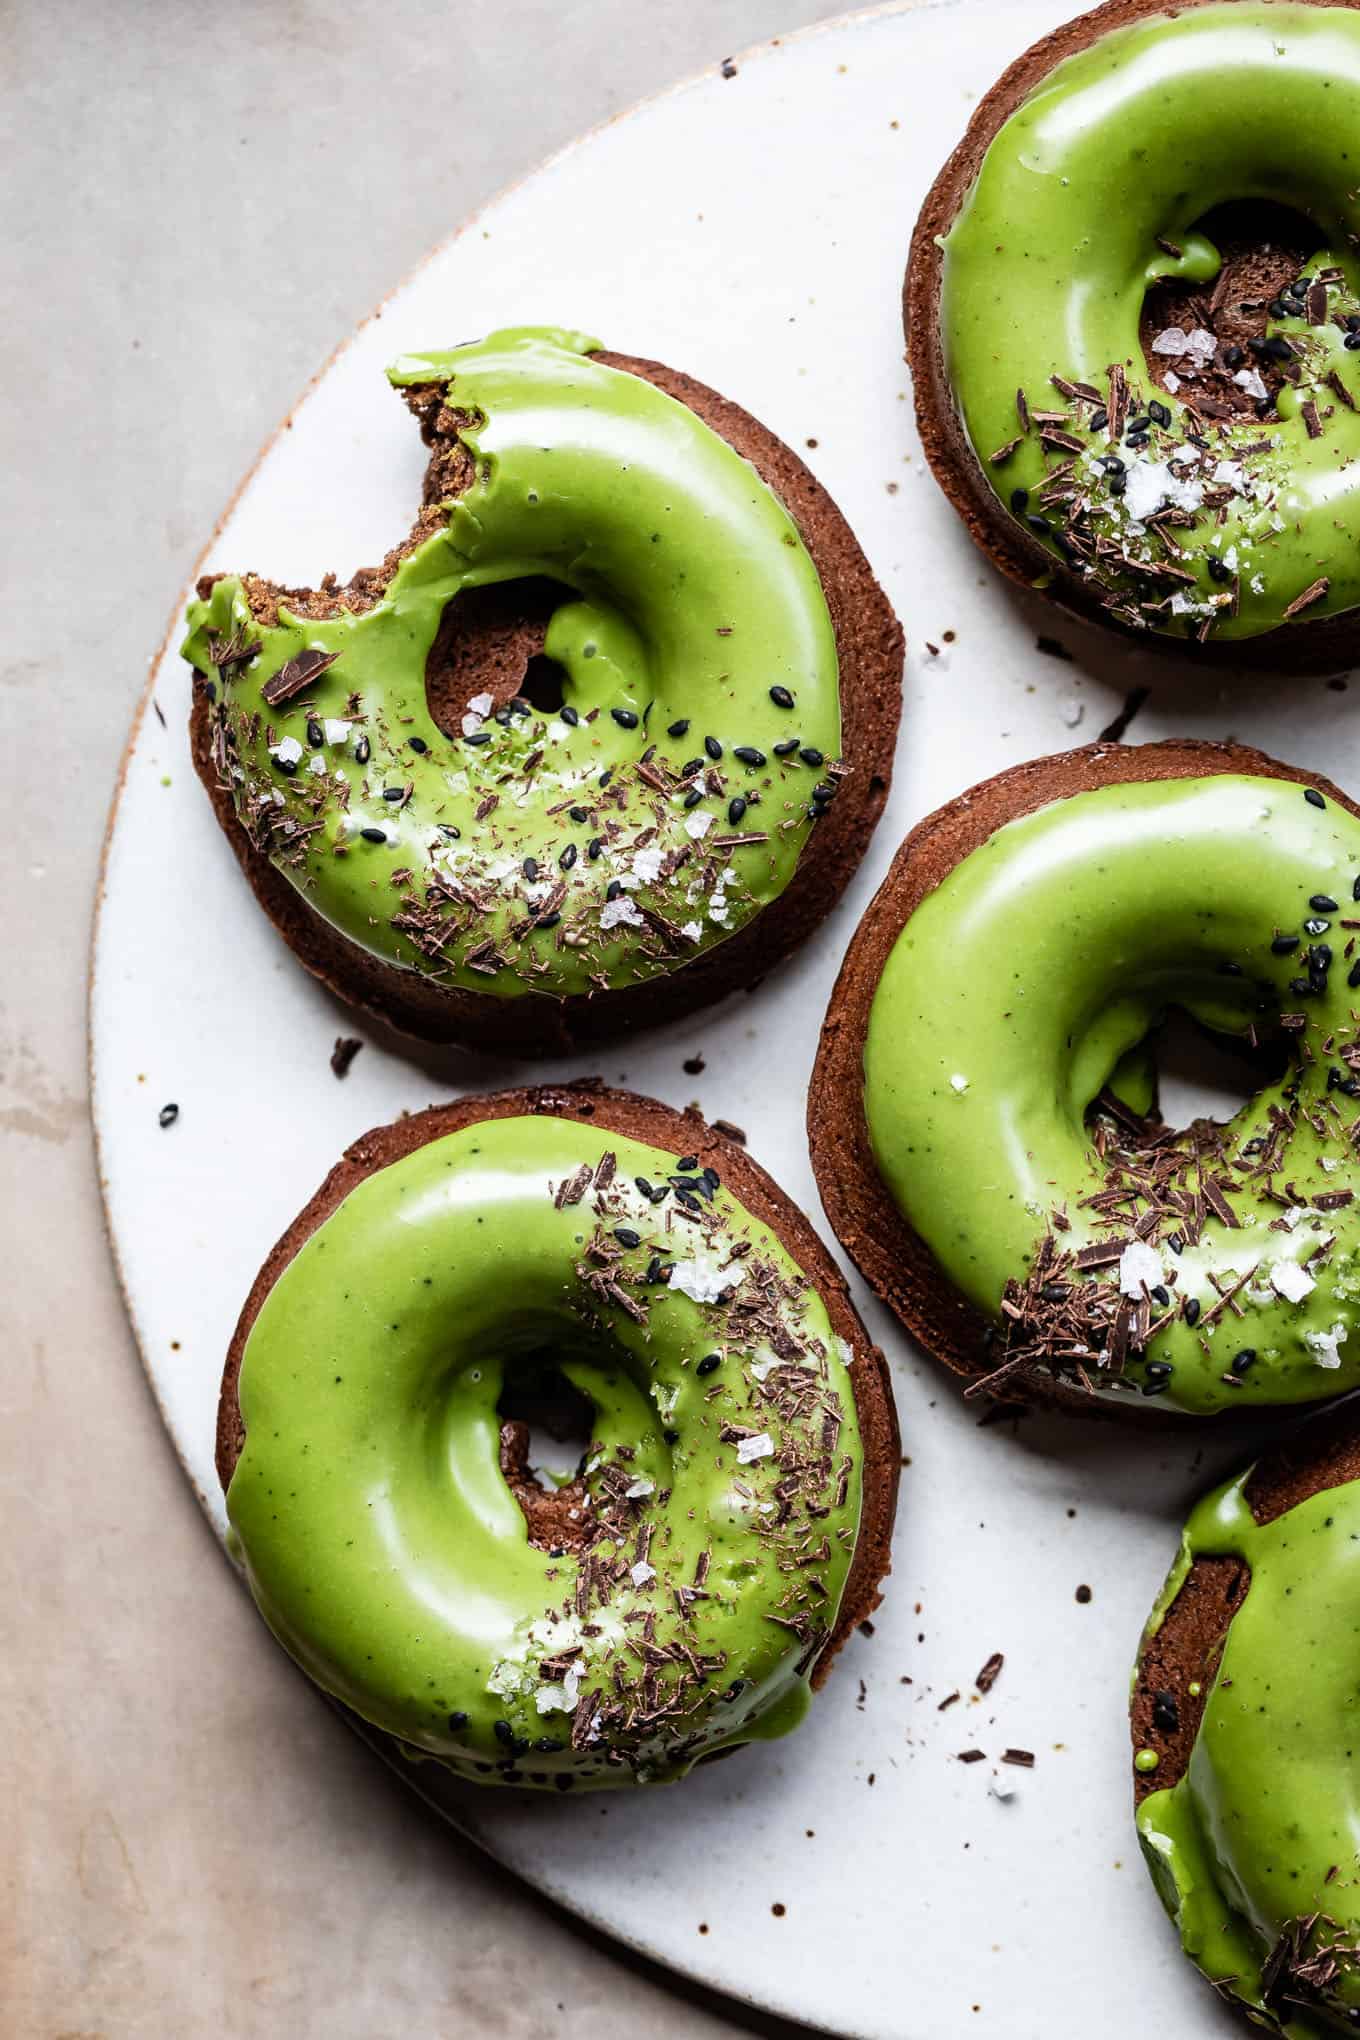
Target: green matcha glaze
{"x": 387, "y": 1552}
{"x": 1014, "y": 994}
{"x": 1045, "y": 269}
{"x": 1242, "y": 1846}
{"x": 572, "y": 851}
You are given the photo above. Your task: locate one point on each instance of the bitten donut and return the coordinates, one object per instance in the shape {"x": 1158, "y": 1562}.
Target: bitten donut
{"x": 1243, "y": 1721}
{"x": 517, "y": 1257}
{"x": 599, "y": 743}
{"x": 1133, "y": 316}
{"x": 983, "y": 1110}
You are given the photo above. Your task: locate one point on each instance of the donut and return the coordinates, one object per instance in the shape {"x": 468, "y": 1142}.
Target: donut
{"x": 604, "y": 738}
{"x": 1243, "y": 1720}
{"x": 983, "y": 1116}
{"x": 1132, "y": 309}
{"x": 574, "y": 1257}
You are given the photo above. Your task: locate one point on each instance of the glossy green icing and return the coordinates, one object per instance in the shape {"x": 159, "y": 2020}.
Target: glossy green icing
{"x": 1015, "y": 993}
{"x": 1047, "y": 265}
{"x": 564, "y": 852}
{"x": 1262, "y": 1829}
{"x": 387, "y": 1552}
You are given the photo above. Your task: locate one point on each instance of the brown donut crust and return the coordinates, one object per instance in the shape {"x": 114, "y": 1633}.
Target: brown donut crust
{"x": 1323, "y": 1452}
{"x": 687, "y": 1132}
{"x": 1303, "y": 645}
{"x": 895, "y": 1261}
{"x": 870, "y": 648}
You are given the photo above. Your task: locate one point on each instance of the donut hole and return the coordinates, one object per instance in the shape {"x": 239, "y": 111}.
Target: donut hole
{"x": 1264, "y": 246}
{"x": 1197, "y": 1074}
{"x": 490, "y": 641}
{"x": 546, "y": 1427}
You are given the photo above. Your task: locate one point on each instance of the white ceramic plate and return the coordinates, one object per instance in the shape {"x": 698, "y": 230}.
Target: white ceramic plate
{"x": 751, "y": 229}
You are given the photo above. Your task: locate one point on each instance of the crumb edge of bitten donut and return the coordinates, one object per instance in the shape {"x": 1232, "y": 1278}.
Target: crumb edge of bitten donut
{"x": 1301, "y": 645}
{"x": 634, "y": 1117}
{"x": 870, "y": 651}
{"x": 892, "y": 1257}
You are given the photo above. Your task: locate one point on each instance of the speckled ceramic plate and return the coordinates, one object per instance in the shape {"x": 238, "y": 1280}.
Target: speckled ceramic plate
{"x": 751, "y": 228}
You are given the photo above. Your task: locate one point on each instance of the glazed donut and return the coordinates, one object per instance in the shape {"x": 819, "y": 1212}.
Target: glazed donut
{"x": 727, "y": 1525}
{"x": 1129, "y": 311}
{"x": 982, "y": 1121}
{"x": 719, "y": 677}
{"x": 1243, "y": 1719}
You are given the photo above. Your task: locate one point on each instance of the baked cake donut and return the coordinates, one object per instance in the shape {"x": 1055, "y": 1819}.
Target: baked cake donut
{"x": 604, "y": 738}
{"x": 1133, "y": 323}
{"x": 983, "y": 1115}
{"x": 1243, "y": 1722}
{"x": 726, "y": 1526}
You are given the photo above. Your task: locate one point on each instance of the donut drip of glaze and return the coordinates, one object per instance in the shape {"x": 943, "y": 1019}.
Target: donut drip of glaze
{"x": 1024, "y": 986}
{"x": 1259, "y": 1836}
{"x": 1087, "y": 196}
{"x": 634, "y": 828}
{"x": 721, "y": 1486}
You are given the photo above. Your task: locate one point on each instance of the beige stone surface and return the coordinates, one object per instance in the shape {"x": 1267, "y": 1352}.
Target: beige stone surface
{"x": 202, "y": 201}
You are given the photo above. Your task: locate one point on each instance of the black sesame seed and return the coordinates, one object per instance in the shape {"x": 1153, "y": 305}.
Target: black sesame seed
{"x": 457, "y": 1721}
{"x": 1112, "y": 464}
{"x": 1039, "y": 525}
{"x": 1353, "y": 976}
{"x": 1158, "y": 1293}
{"x": 1192, "y": 1310}
{"x": 781, "y": 697}
{"x": 167, "y": 1115}
{"x": 287, "y": 766}
{"x": 578, "y": 814}
{"x": 1351, "y": 342}
{"x": 1322, "y": 903}
{"x": 547, "y": 1744}
{"x": 1233, "y": 357}
{"x": 1176, "y": 1243}
{"x": 478, "y": 737}
{"x": 749, "y": 755}
{"x": 1227, "y": 968}
{"x": 625, "y": 718}
{"x": 626, "y": 1237}
{"x": 693, "y": 797}
{"x": 530, "y": 867}
{"x": 686, "y": 1163}
{"x": 1019, "y": 501}
{"x": 811, "y": 757}
{"x": 1166, "y": 1715}
{"x": 678, "y": 729}
{"x": 606, "y": 775}
{"x": 1313, "y": 797}
{"x": 1301, "y": 985}
{"x": 1099, "y": 420}
{"x": 594, "y": 847}
{"x": 736, "y": 808}
{"x": 548, "y": 921}
{"x": 568, "y": 858}
{"x": 1159, "y": 414}
{"x": 1158, "y": 1377}
{"x": 418, "y": 744}
{"x": 709, "y": 1364}
{"x": 613, "y": 889}
{"x": 713, "y": 747}
{"x": 1284, "y": 945}
{"x": 1218, "y": 569}
{"x": 374, "y": 835}
{"x": 316, "y": 736}
{"x": 503, "y": 1731}
{"x": 653, "y": 1269}
{"x": 447, "y": 829}
{"x": 362, "y": 751}
{"x": 1243, "y": 1360}
{"x": 790, "y": 745}
{"x": 1320, "y": 956}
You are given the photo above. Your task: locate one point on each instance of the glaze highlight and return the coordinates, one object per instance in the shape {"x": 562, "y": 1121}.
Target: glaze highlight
{"x": 722, "y": 1481}
{"x": 650, "y": 817}
{"x": 1211, "y": 1268}
{"x": 1088, "y": 194}
{"x": 1258, "y": 1838}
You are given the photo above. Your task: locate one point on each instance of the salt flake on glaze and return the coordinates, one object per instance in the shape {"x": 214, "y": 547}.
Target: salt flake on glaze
{"x": 759, "y": 1447}
{"x": 1140, "y": 1266}
{"x": 1290, "y": 1281}
{"x": 702, "y": 1280}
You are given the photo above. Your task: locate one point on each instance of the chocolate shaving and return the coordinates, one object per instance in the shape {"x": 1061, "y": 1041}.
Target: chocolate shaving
{"x": 298, "y": 674}
{"x": 1316, "y": 593}
{"x": 990, "y": 1672}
